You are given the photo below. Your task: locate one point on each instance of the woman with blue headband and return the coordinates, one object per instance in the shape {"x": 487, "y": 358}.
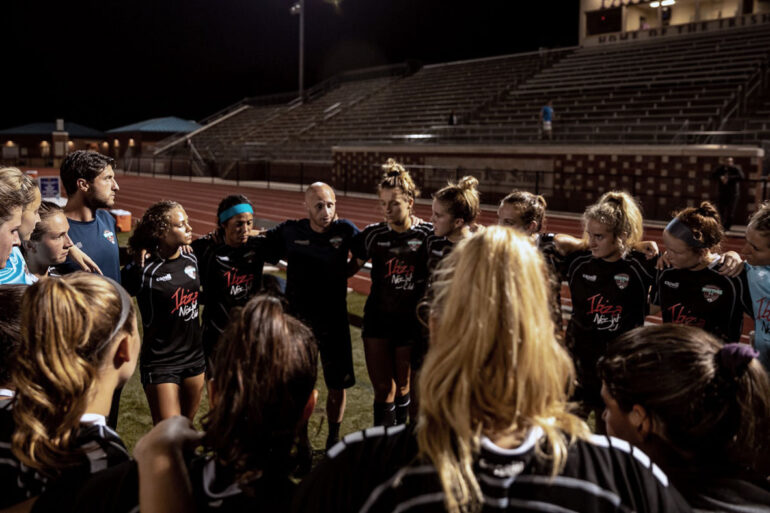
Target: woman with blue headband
{"x": 695, "y": 291}
{"x": 230, "y": 264}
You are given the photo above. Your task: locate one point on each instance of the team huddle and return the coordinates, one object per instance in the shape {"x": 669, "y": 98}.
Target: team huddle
{"x": 481, "y": 397}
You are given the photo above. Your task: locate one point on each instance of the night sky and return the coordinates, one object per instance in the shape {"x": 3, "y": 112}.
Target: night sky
{"x": 107, "y": 63}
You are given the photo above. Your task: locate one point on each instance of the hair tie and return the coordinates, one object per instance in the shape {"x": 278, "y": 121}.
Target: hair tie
{"x": 735, "y": 358}
{"x": 683, "y": 232}
{"x": 241, "y": 208}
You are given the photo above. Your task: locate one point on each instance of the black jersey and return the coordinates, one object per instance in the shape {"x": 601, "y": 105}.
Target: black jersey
{"x": 399, "y": 266}
{"x": 316, "y": 279}
{"x": 601, "y": 474}
{"x": 101, "y": 446}
{"x": 229, "y": 277}
{"x": 437, "y": 249}
{"x": 705, "y": 299}
{"x": 608, "y": 298}
{"x": 168, "y": 292}
{"x": 214, "y": 490}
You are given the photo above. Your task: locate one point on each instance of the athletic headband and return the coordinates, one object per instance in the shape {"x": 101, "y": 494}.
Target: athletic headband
{"x": 125, "y": 308}
{"x": 681, "y": 231}
{"x": 233, "y": 211}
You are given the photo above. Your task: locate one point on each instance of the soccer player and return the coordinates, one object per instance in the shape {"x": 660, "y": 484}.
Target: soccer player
{"x": 396, "y": 248}
{"x": 494, "y": 430}
{"x": 48, "y": 244}
{"x": 79, "y": 343}
{"x": 231, "y": 264}
{"x": 757, "y": 254}
{"x": 700, "y": 408}
{"x": 455, "y": 209}
{"x": 167, "y": 287}
{"x": 609, "y": 284}
{"x": 526, "y": 212}
{"x": 316, "y": 249}
{"x": 261, "y": 392}
{"x": 693, "y": 291}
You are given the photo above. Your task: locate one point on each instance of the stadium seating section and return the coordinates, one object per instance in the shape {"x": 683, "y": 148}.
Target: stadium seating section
{"x": 654, "y": 92}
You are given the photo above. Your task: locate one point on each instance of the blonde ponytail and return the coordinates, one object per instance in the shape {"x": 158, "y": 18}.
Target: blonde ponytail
{"x": 67, "y": 326}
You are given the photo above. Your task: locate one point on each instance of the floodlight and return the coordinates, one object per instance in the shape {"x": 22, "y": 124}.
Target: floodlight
{"x": 668, "y": 2}
{"x": 654, "y": 4}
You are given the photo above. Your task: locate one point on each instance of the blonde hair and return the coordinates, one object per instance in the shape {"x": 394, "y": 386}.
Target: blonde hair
{"x": 461, "y": 198}
{"x": 67, "y": 328}
{"x": 486, "y": 369}
{"x": 397, "y": 177}
{"x": 23, "y": 182}
{"x": 760, "y": 220}
{"x": 620, "y": 213}
{"x": 11, "y": 194}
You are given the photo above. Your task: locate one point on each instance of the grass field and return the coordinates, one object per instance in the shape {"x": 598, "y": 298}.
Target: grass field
{"x": 134, "y": 420}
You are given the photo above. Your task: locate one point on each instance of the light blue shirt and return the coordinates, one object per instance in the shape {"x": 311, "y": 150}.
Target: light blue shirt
{"x": 15, "y": 270}
{"x": 759, "y": 285}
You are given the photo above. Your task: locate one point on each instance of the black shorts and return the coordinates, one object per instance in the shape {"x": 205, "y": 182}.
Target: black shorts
{"x": 332, "y": 332}
{"x": 398, "y": 328}
{"x": 151, "y": 376}
{"x": 585, "y": 355}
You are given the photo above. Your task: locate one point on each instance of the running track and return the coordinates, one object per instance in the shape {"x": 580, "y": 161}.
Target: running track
{"x": 200, "y": 200}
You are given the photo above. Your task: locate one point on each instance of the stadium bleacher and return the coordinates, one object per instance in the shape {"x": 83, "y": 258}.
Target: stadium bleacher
{"x": 649, "y": 92}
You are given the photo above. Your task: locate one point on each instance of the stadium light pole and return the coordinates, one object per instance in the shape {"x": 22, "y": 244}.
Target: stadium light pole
{"x": 299, "y": 9}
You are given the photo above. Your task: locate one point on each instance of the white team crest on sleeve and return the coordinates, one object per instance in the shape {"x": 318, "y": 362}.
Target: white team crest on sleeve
{"x": 621, "y": 280}
{"x": 190, "y": 271}
{"x": 711, "y": 293}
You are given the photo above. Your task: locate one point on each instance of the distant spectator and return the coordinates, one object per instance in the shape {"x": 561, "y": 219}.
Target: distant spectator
{"x": 546, "y": 117}
{"x": 729, "y": 176}
{"x": 452, "y": 119}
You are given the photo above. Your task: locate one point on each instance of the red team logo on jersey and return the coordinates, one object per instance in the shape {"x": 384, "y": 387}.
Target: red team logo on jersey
{"x": 109, "y": 236}
{"x": 606, "y": 315}
{"x": 186, "y": 303}
{"x": 711, "y": 293}
{"x": 680, "y": 315}
{"x": 238, "y": 283}
{"x": 401, "y": 274}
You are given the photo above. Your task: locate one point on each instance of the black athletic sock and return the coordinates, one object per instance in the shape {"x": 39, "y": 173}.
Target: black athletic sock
{"x": 384, "y": 414}
{"x": 334, "y": 434}
{"x": 402, "y": 408}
